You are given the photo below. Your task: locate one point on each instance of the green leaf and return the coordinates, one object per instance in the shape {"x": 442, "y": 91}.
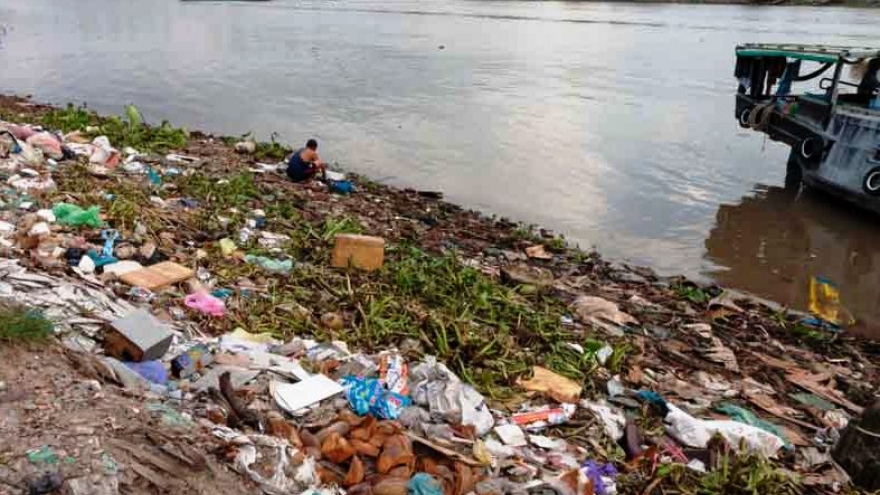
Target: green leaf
{"x": 134, "y": 116}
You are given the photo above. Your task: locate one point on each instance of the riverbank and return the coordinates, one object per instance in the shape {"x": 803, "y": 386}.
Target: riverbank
{"x": 487, "y": 296}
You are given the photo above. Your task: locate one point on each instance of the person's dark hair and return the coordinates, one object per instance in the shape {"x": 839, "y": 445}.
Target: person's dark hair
{"x": 312, "y": 144}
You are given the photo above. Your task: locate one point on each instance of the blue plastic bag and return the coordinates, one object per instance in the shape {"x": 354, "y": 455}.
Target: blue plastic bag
{"x": 154, "y": 371}
{"x": 368, "y": 396}
{"x": 423, "y": 484}
{"x": 340, "y": 186}
{"x": 602, "y": 476}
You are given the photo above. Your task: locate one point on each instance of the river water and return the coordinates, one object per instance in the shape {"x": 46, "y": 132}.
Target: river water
{"x": 611, "y": 123}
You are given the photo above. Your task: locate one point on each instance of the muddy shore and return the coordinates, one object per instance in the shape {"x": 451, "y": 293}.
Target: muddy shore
{"x": 490, "y": 297}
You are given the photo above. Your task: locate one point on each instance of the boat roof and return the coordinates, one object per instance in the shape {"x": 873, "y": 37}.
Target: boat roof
{"x": 815, "y": 53}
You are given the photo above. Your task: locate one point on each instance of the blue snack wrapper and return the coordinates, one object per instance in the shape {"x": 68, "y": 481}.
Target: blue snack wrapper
{"x": 368, "y": 396}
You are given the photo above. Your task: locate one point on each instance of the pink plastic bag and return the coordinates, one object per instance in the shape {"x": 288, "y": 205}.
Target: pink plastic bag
{"x": 48, "y": 144}
{"x": 21, "y": 132}
{"x": 205, "y": 303}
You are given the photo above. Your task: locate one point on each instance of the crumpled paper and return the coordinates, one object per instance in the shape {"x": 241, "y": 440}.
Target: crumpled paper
{"x": 249, "y": 446}
{"x": 436, "y": 387}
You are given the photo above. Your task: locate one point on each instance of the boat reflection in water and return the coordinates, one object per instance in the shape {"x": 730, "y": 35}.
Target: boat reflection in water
{"x": 771, "y": 244}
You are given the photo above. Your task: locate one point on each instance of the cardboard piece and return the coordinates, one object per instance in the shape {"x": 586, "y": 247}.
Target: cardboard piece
{"x": 277, "y": 364}
{"x": 295, "y": 396}
{"x": 512, "y": 435}
{"x": 122, "y": 267}
{"x": 137, "y": 337}
{"x": 552, "y": 385}
{"x": 158, "y": 276}
{"x": 453, "y": 454}
{"x": 360, "y": 251}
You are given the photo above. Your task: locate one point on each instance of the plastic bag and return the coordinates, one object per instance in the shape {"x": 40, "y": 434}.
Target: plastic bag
{"x": 748, "y": 417}
{"x": 227, "y": 246}
{"x": 102, "y": 153}
{"x": 31, "y": 155}
{"x": 153, "y": 371}
{"x": 48, "y": 144}
{"x": 695, "y": 432}
{"x": 368, "y": 396}
{"x": 8, "y": 144}
{"x": 272, "y": 265}
{"x": 21, "y": 132}
{"x": 612, "y": 418}
{"x": 278, "y": 483}
{"x": 423, "y": 484}
{"x": 73, "y": 215}
{"x": 205, "y": 303}
{"x": 825, "y": 302}
{"x": 602, "y": 476}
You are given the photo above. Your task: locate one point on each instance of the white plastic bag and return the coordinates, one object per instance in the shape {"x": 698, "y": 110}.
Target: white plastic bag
{"x": 612, "y": 418}
{"x": 695, "y": 432}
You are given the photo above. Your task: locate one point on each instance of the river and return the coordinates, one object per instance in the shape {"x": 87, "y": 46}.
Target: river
{"x": 609, "y": 122}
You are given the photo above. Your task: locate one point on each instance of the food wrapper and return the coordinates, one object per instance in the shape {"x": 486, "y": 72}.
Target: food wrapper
{"x": 369, "y": 396}
{"x": 394, "y": 374}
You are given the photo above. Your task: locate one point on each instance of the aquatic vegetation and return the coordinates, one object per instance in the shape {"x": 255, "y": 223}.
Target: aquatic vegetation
{"x": 130, "y": 130}
{"x": 692, "y": 293}
{"x": 733, "y": 474}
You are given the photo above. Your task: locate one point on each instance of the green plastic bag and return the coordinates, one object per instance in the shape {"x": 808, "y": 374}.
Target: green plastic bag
{"x": 269, "y": 264}
{"x": 73, "y": 215}
{"x": 748, "y": 417}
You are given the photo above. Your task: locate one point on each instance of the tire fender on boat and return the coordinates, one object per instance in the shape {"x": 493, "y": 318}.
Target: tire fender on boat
{"x": 871, "y": 184}
{"x": 759, "y": 116}
{"x": 811, "y": 148}
{"x": 744, "y": 117}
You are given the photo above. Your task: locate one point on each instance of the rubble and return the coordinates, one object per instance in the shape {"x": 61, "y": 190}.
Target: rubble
{"x": 467, "y": 355}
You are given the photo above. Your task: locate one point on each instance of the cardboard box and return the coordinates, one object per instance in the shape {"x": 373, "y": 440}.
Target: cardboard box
{"x": 137, "y": 337}
{"x": 158, "y": 276}
{"x": 360, "y": 251}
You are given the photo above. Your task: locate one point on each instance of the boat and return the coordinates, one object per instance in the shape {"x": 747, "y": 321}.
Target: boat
{"x": 822, "y": 101}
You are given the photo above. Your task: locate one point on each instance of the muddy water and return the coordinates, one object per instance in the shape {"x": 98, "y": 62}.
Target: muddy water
{"x": 609, "y": 122}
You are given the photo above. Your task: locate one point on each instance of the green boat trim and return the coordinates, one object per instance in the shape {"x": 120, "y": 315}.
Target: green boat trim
{"x": 814, "y": 53}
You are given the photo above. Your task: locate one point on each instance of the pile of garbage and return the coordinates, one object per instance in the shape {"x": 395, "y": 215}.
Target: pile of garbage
{"x": 663, "y": 380}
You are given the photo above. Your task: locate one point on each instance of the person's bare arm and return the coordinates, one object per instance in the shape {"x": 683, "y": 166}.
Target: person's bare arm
{"x": 318, "y": 162}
